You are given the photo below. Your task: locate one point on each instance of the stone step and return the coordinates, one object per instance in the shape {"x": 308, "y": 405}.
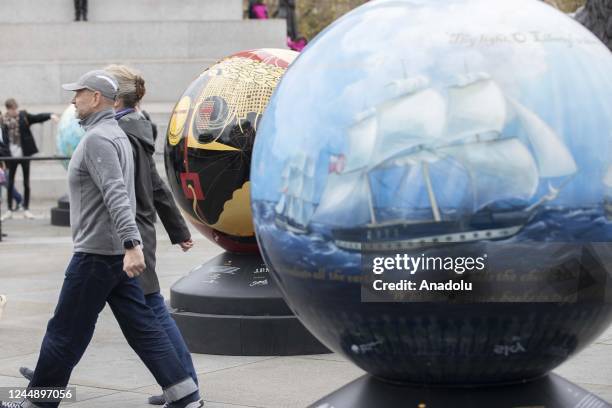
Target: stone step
{"x": 40, "y": 83}
{"x": 30, "y": 11}
{"x": 130, "y": 41}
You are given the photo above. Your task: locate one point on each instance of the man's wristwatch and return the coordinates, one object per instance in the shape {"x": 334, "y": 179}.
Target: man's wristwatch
{"x": 131, "y": 243}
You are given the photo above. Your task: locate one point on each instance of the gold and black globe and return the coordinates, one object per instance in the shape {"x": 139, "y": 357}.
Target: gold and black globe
{"x": 210, "y": 139}
{"x": 459, "y": 133}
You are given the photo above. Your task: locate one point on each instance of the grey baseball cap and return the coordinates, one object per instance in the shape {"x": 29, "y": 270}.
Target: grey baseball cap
{"x": 97, "y": 80}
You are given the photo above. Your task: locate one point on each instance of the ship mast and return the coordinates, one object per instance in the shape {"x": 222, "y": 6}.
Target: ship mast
{"x": 432, "y": 196}
{"x": 370, "y": 201}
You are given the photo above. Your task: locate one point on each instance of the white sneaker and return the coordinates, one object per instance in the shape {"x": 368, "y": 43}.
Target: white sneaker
{"x": 27, "y": 214}
{"x": 7, "y": 216}
{"x": 3, "y": 301}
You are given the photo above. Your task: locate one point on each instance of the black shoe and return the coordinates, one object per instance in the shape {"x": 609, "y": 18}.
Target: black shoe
{"x": 26, "y": 372}
{"x": 157, "y": 400}
{"x": 190, "y": 401}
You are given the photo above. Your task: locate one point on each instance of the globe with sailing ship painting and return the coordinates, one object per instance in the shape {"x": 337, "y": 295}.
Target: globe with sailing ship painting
{"x": 209, "y": 142}
{"x": 69, "y": 133}
{"x": 454, "y": 132}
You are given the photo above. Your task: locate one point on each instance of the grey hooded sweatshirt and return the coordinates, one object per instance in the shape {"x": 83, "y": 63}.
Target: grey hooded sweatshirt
{"x": 101, "y": 188}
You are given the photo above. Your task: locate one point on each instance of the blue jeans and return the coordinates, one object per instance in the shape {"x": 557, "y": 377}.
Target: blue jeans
{"x": 91, "y": 281}
{"x": 18, "y": 198}
{"x": 156, "y": 302}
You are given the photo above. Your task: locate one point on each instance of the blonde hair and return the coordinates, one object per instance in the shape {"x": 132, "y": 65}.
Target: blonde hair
{"x": 131, "y": 84}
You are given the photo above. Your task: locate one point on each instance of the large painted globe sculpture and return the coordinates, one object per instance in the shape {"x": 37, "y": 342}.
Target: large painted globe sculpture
{"x": 460, "y": 145}
{"x": 210, "y": 139}
{"x": 69, "y": 133}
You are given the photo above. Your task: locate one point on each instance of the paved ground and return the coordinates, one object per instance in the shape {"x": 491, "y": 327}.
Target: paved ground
{"x": 32, "y": 261}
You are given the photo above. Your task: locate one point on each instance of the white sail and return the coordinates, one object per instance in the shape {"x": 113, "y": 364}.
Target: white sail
{"x": 475, "y": 106}
{"x": 361, "y": 138}
{"x": 280, "y": 206}
{"x": 499, "y": 169}
{"x": 349, "y": 192}
{"x": 407, "y": 122}
{"x": 416, "y": 157}
{"x": 309, "y": 169}
{"x": 282, "y": 202}
{"x": 303, "y": 218}
{"x": 407, "y": 86}
{"x": 298, "y": 190}
{"x": 552, "y": 156}
{"x": 295, "y": 183}
{"x": 607, "y": 179}
{"x": 286, "y": 170}
{"x": 293, "y": 208}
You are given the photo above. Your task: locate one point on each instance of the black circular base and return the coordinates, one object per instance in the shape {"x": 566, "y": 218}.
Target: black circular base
{"x": 549, "y": 391}
{"x": 60, "y": 215}
{"x": 232, "y": 306}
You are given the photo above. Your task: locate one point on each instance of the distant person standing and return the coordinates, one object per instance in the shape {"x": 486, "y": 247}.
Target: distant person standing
{"x": 80, "y": 10}
{"x": 286, "y": 10}
{"x": 6, "y": 152}
{"x": 21, "y": 144}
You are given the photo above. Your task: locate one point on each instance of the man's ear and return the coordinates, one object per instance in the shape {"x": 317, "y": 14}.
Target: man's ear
{"x": 97, "y": 98}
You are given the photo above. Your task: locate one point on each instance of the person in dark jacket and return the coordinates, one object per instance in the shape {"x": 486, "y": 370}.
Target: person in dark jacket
{"x": 5, "y": 151}
{"x": 152, "y": 197}
{"x": 18, "y": 136}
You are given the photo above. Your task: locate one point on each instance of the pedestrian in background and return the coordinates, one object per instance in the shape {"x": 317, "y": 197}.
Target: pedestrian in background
{"x": 5, "y": 151}
{"x": 80, "y": 10}
{"x": 21, "y": 143}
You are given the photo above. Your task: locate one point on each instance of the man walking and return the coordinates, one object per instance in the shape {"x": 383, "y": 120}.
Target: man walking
{"x": 107, "y": 257}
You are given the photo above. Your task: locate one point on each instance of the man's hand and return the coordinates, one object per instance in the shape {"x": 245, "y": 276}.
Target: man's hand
{"x": 133, "y": 261}
{"x": 186, "y": 245}
{"x": 55, "y": 118}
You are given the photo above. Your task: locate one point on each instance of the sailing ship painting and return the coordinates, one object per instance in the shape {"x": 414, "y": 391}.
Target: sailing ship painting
{"x": 296, "y": 206}
{"x": 417, "y": 128}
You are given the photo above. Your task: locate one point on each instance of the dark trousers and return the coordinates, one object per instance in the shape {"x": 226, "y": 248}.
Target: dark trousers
{"x": 25, "y": 169}
{"x": 91, "y": 281}
{"x": 156, "y": 302}
{"x": 289, "y": 11}
{"x": 80, "y": 9}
